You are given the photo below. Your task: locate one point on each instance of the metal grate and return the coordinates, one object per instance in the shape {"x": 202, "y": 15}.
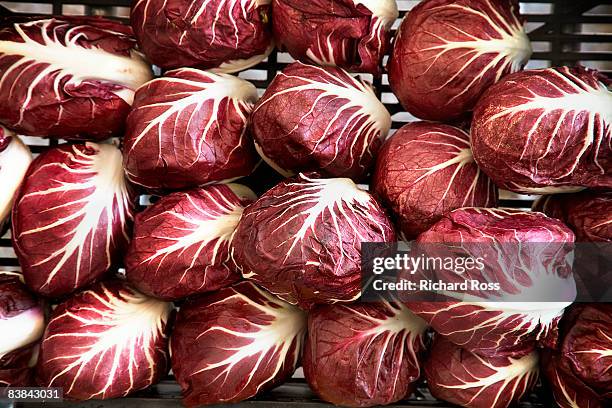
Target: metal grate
{"x": 563, "y": 32}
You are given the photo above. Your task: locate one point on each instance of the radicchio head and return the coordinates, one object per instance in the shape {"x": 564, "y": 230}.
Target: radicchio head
{"x": 22, "y": 322}
{"x": 425, "y": 170}
{"x": 181, "y": 243}
{"x": 578, "y": 368}
{"x": 475, "y": 381}
{"x": 587, "y": 213}
{"x": 228, "y": 35}
{"x": 365, "y": 354}
{"x": 448, "y": 52}
{"x": 232, "y": 344}
{"x": 352, "y": 34}
{"x": 68, "y": 77}
{"x": 72, "y": 217}
{"x": 302, "y": 239}
{"x": 105, "y": 342}
{"x": 188, "y": 128}
{"x": 15, "y": 158}
{"x": 526, "y": 253}
{"x": 546, "y": 131}
{"x": 319, "y": 119}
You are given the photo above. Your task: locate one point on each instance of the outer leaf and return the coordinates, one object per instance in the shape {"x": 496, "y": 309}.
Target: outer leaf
{"x": 68, "y": 77}
{"x": 447, "y": 53}
{"x": 235, "y": 343}
{"x": 352, "y": 34}
{"x": 105, "y": 342}
{"x": 363, "y": 355}
{"x": 188, "y": 128}
{"x": 72, "y": 217}
{"x": 546, "y": 131}
{"x": 181, "y": 243}
{"x": 229, "y": 35}
{"x": 425, "y": 170}
{"x": 470, "y": 380}
{"x": 319, "y": 119}
{"x": 302, "y": 239}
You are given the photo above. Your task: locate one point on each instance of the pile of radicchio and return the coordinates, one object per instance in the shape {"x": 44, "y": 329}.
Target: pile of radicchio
{"x": 266, "y": 284}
